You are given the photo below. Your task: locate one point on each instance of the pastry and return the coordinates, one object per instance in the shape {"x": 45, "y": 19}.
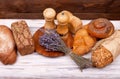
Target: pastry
{"x": 100, "y": 28}
{"x": 106, "y": 50}
{"x": 8, "y": 53}
{"x": 83, "y": 42}
{"x": 23, "y": 37}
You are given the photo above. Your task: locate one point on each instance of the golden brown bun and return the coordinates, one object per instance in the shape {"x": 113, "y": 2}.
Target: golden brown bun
{"x": 83, "y": 42}
{"x": 7, "y": 46}
{"x": 100, "y": 28}
{"x": 40, "y": 49}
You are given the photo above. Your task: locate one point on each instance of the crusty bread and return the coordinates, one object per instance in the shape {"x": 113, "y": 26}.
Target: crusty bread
{"x": 23, "y": 37}
{"x": 101, "y": 57}
{"x": 7, "y": 46}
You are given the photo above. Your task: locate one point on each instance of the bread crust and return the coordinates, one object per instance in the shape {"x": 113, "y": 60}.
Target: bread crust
{"x": 101, "y": 57}
{"x": 23, "y": 37}
{"x": 8, "y": 53}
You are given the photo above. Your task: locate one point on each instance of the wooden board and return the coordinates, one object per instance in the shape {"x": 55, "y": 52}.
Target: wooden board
{"x": 35, "y": 66}
{"x": 85, "y": 9}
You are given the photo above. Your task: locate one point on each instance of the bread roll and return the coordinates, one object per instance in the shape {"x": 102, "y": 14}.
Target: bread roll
{"x": 100, "y": 28}
{"x": 7, "y": 46}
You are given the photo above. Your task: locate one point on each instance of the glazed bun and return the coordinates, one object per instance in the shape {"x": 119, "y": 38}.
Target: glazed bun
{"x": 7, "y": 46}
{"x": 100, "y": 28}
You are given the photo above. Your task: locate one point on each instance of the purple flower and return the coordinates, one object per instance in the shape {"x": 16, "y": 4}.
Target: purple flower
{"x": 53, "y": 42}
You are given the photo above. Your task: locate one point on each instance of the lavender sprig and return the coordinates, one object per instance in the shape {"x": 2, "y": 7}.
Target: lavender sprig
{"x": 53, "y": 42}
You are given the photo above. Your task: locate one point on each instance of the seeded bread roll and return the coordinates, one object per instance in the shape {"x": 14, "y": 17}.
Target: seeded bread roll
{"x": 106, "y": 50}
{"x": 8, "y": 52}
{"x": 23, "y": 37}
{"x": 101, "y": 57}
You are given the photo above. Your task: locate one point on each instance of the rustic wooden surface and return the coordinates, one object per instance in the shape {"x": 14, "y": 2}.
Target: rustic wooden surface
{"x": 35, "y": 66}
{"x": 85, "y": 9}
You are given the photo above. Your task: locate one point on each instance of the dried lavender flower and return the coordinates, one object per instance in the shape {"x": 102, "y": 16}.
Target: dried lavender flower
{"x": 53, "y": 42}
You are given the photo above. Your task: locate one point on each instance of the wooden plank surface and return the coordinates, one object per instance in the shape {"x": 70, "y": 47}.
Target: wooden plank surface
{"x": 85, "y": 9}
{"x": 35, "y": 66}
{"x": 114, "y": 16}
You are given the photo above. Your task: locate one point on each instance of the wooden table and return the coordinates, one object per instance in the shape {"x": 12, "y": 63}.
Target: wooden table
{"x": 35, "y": 66}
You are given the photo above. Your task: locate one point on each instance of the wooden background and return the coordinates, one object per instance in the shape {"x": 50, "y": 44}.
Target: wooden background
{"x": 85, "y": 9}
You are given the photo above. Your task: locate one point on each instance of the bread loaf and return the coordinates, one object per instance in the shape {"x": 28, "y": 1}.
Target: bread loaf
{"x": 106, "y": 50}
{"x": 8, "y": 52}
{"x": 23, "y": 37}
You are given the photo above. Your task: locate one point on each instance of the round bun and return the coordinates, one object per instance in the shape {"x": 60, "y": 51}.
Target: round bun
{"x": 100, "y": 28}
{"x": 7, "y": 46}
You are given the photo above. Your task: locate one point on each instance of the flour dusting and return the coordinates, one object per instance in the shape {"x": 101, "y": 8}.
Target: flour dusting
{"x": 6, "y": 42}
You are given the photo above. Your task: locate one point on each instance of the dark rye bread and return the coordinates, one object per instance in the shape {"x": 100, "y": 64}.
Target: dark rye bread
{"x": 23, "y": 37}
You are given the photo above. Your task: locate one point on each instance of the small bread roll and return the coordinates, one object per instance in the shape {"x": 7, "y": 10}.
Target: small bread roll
{"x": 100, "y": 28}
{"x": 7, "y": 46}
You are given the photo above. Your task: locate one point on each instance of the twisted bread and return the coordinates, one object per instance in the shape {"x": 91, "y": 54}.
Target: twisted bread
{"x": 100, "y": 28}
